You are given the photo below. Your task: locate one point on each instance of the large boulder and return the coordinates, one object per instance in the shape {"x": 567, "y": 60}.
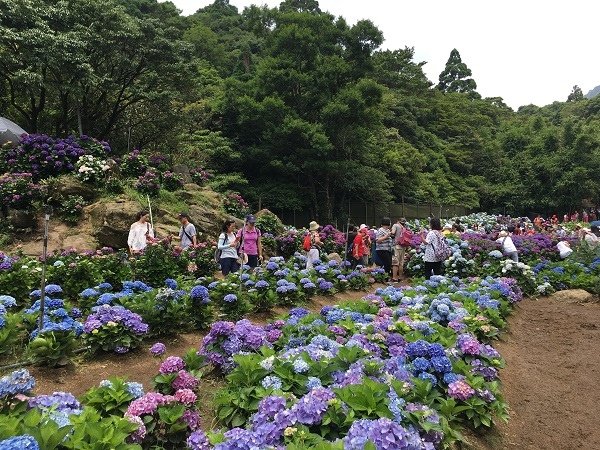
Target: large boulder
{"x": 275, "y": 224}
{"x": 110, "y": 220}
{"x": 66, "y": 186}
{"x": 573, "y": 296}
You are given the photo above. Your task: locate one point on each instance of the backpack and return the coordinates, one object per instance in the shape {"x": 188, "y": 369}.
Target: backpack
{"x": 404, "y": 239}
{"x": 219, "y": 252}
{"x": 441, "y": 251}
{"x": 307, "y": 244}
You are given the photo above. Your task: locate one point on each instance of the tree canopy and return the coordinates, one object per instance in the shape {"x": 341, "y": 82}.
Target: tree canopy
{"x": 298, "y": 107}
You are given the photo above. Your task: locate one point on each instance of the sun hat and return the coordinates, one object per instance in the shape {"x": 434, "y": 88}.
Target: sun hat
{"x": 250, "y": 218}
{"x": 313, "y": 226}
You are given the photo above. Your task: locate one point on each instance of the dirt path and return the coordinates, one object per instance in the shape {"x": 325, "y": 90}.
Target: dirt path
{"x": 552, "y": 378}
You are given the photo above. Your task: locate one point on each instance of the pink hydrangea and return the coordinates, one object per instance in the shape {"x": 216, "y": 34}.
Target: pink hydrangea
{"x": 147, "y": 404}
{"x": 460, "y": 390}
{"x": 186, "y": 396}
{"x": 171, "y": 365}
{"x": 185, "y": 380}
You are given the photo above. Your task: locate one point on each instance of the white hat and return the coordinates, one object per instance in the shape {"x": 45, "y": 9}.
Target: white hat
{"x": 313, "y": 226}
{"x": 503, "y": 233}
{"x": 362, "y": 227}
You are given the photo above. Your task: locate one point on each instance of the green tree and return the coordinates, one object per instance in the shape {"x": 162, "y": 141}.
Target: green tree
{"x": 456, "y": 77}
{"x": 575, "y": 95}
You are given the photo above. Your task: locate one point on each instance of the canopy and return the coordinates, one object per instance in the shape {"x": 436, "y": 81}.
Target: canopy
{"x": 10, "y": 131}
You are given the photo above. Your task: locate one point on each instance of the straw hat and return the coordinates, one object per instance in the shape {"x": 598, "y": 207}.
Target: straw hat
{"x": 313, "y": 226}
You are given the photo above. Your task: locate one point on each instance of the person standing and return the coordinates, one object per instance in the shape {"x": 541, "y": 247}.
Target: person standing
{"x": 228, "y": 244}
{"x": 360, "y": 252}
{"x": 400, "y": 235}
{"x": 140, "y": 233}
{"x": 508, "y": 247}
{"x": 435, "y": 249}
{"x": 384, "y": 245}
{"x": 187, "y": 233}
{"x": 314, "y": 246}
{"x": 250, "y": 241}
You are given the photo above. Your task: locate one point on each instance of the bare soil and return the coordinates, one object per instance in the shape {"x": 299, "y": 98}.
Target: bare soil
{"x": 552, "y": 378}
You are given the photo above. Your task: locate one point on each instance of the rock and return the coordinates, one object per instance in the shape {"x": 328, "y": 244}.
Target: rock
{"x": 68, "y": 185}
{"x": 184, "y": 171}
{"x": 80, "y": 241}
{"x": 110, "y": 220}
{"x": 573, "y": 296}
{"x": 278, "y": 224}
{"x": 22, "y": 219}
{"x": 335, "y": 257}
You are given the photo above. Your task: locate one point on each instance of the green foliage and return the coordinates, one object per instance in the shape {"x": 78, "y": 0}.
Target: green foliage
{"x": 455, "y": 77}
{"x": 110, "y": 400}
{"x": 71, "y": 209}
{"x": 52, "y": 348}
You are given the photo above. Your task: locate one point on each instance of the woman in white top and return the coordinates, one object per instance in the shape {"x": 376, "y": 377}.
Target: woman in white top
{"x": 228, "y": 245}
{"x": 508, "y": 246}
{"x": 435, "y": 247}
{"x": 140, "y": 233}
{"x": 564, "y": 249}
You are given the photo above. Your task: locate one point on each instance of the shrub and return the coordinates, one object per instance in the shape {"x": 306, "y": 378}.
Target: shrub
{"x": 112, "y": 397}
{"x": 45, "y": 156}
{"x": 91, "y": 169}
{"x": 71, "y": 209}
{"x": 235, "y": 205}
{"x": 172, "y": 181}
{"x": 18, "y": 191}
{"x": 134, "y": 164}
{"x": 114, "y": 328}
{"x": 149, "y": 183}
{"x": 159, "y": 161}
{"x": 199, "y": 176}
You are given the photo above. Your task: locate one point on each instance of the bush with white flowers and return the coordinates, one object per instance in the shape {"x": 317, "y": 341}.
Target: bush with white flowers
{"x": 90, "y": 168}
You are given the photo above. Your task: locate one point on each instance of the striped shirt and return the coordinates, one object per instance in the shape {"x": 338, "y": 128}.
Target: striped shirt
{"x": 386, "y": 244}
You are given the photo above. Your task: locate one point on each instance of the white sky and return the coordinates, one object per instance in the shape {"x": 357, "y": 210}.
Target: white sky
{"x": 526, "y": 51}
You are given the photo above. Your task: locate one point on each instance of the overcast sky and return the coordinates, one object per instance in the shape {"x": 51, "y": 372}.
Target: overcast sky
{"x": 526, "y": 51}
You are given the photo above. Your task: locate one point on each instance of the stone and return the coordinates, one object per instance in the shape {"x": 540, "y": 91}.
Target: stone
{"x": 69, "y": 185}
{"x": 573, "y": 296}
{"x": 278, "y": 229}
{"x": 335, "y": 257}
{"x": 110, "y": 220}
{"x": 184, "y": 171}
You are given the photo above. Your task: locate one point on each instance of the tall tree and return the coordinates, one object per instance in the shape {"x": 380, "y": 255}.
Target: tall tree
{"x": 575, "y": 95}
{"x": 456, "y": 77}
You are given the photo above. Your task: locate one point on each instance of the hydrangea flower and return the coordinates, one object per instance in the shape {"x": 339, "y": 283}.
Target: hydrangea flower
{"x": 172, "y": 364}
{"x": 230, "y": 298}
{"x": 271, "y": 382}
{"x": 460, "y": 390}
{"x": 198, "y": 441}
{"x": 18, "y": 382}
{"x": 158, "y": 349}
{"x": 23, "y": 442}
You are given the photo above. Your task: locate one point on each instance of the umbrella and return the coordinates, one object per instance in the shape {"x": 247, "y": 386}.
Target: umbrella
{"x": 595, "y": 223}
{"x": 10, "y": 131}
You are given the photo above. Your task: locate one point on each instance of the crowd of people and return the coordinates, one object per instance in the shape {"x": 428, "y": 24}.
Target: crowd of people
{"x": 383, "y": 246}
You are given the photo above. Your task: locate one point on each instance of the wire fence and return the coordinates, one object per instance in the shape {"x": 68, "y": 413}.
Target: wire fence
{"x": 371, "y": 214}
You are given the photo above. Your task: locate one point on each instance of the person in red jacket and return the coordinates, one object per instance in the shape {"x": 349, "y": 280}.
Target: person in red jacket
{"x": 360, "y": 250}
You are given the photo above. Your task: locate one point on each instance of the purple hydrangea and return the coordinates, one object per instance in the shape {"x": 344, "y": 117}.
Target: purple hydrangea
{"x": 158, "y": 349}
{"x": 172, "y": 364}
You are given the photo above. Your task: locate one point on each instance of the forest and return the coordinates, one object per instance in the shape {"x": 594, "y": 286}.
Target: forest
{"x": 294, "y": 107}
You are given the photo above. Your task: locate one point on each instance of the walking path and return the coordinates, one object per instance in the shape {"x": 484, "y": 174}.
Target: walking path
{"x": 552, "y": 377}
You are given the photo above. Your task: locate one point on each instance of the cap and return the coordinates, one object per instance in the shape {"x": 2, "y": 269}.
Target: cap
{"x": 250, "y": 218}
{"x": 363, "y": 227}
{"x": 182, "y": 215}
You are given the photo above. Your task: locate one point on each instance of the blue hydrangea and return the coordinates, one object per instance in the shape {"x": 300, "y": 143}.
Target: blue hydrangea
{"x": 451, "y": 377}
{"x": 200, "y": 293}
{"x": 271, "y": 382}
{"x": 436, "y": 350}
{"x": 230, "y": 298}
{"x": 89, "y": 293}
{"x": 213, "y": 285}
{"x": 7, "y": 301}
{"x": 18, "y": 382}
{"x": 421, "y": 364}
{"x": 23, "y": 442}
{"x": 105, "y": 287}
{"x": 313, "y": 383}
{"x": 441, "y": 364}
{"x": 171, "y": 283}
{"x": 301, "y": 366}
{"x": 429, "y": 377}
{"x": 105, "y": 299}
{"x": 261, "y": 284}
{"x": 136, "y": 390}
{"x": 418, "y": 348}
{"x": 53, "y": 289}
